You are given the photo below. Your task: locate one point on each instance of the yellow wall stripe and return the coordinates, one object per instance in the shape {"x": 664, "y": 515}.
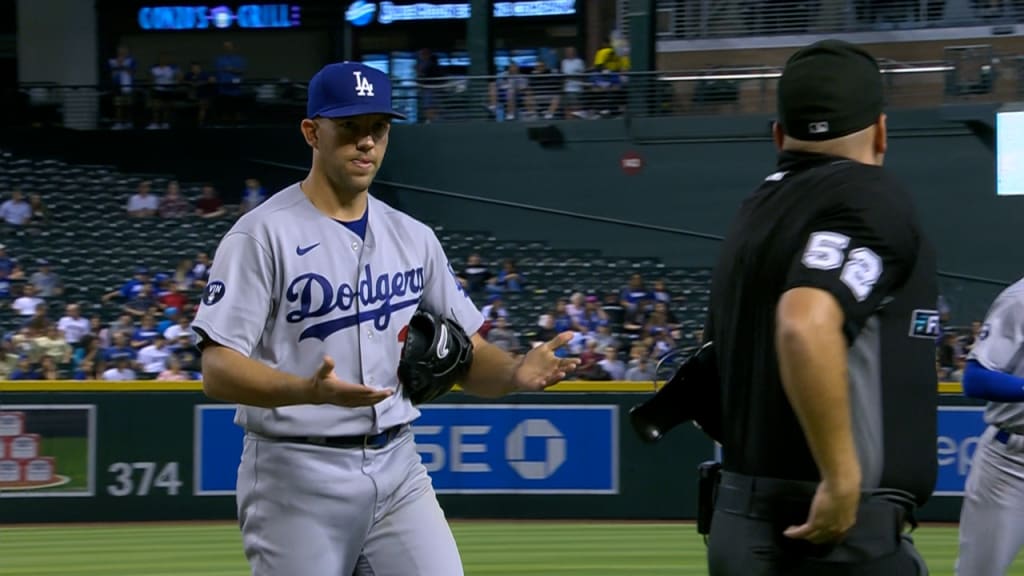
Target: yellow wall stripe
{"x": 196, "y": 386}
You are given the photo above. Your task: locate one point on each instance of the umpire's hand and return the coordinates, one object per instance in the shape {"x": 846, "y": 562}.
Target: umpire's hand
{"x": 833, "y": 513}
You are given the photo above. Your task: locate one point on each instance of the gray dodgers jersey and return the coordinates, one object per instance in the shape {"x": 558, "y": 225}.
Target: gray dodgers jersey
{"x": 290, "y": 284}
{"x": 1002, "y": 349}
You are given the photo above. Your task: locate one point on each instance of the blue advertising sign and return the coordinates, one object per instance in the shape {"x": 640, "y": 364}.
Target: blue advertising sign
{"x": 520, "y": 449}
{"x": 960, "y": 428}
{"x": 218, "y": 450}
{"x": 253, "y": 16}
{"x": 361, "y": 12}
{"x": 467, "y": 449}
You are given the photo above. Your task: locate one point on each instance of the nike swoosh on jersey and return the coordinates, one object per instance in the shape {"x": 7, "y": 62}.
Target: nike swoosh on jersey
{"x": 303, "y": 251}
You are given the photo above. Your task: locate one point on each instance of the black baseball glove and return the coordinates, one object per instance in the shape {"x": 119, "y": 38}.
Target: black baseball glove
{"x": 436, "y": 356}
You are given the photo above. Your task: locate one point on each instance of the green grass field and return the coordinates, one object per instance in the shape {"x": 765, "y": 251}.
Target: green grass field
{"x": 72, "y": 457}
{"x": 488, "y": 548}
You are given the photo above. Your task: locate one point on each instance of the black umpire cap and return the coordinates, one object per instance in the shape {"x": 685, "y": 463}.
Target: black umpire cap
{"x": 829, "y": 89}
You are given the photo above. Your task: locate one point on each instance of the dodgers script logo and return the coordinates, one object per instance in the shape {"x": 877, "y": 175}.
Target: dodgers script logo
{"x": 317, "y": 297}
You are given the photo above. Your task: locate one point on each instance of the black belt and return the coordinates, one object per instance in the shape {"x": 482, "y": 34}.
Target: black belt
{"x": 776, "y": 499}
{"x": 372, "y": 441}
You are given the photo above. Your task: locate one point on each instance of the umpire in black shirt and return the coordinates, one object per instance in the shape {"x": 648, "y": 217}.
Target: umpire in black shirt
{"x": 823, "y": 322}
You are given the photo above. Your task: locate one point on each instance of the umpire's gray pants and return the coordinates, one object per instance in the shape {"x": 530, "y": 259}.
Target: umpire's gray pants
{"x": 992, "y": 517}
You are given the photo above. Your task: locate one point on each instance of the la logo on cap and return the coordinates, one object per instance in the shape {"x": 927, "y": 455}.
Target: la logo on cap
{"x": 818, "y": 127}
{"x": 363, "y": 85}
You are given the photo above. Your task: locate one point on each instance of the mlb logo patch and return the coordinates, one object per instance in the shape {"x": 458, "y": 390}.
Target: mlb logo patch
{"x": 924, "y": 324}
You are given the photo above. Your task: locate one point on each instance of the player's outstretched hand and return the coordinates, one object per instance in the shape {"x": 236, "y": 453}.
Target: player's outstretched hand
{"x": 833, "y": 512}
{"x": 541, "y": 368}
{"x": 328, "y": 389}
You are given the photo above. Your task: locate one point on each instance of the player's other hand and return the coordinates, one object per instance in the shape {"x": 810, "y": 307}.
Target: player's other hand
{"x": 833, "y": 512}
{"x": 541, "y": 368}
{"x": 328, "y": 389}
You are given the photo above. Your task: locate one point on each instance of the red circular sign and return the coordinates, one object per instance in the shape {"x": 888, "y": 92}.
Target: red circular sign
{"x": 631, "y": 163}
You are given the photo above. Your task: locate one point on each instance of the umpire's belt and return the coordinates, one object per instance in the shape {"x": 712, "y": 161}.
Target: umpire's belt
{"x": 372, "y": 441}
{"x": 788, "y": 502}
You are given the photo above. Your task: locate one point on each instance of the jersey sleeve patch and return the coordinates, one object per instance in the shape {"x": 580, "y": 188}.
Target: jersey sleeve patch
{"x": 825, "y": 250}
{"x": 861, "y": 272}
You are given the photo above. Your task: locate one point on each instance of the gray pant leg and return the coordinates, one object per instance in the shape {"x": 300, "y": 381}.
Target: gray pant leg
{"x": 992, "y": 517}
{"x": 410, "y": 534}
{"x": 303, "y": 509}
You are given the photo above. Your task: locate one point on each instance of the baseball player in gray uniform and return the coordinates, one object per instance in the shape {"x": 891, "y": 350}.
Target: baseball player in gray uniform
{"x": 993, "y": 506}
{"x": 301, "y": 325}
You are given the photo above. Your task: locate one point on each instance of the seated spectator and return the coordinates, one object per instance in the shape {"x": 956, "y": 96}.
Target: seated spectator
{"x": 183, "y": 327}
{"x": 561, "y": 315}
{"x": 509, "y": 279}
{"x": 185, "y": 352}
{"x": 48, "y": 369}
{"x": 593, "y": 314}
{"x": 659, "y": 293}
{"x": 173, "y": 204}
{"x": 124, "y": 325}
{"x": 27, "y": 304}
{"x": 86, "y": 370}
{"x": 546, "y": 332}
{"x": 495, "y": 307}
{"x": 169, "y": 319}
{"x": 209, "y": 205}
{"x": 17, "y": 271}
{"x": 589, "y": 368}
{"x": 603, "y": 337}
{"x": 614, "y": 311}
{"x": 139, "y": 305}
{"x": 635, "y": 320}
{"x": 16, "y": 211}
{"x": 611, "y": 363}
{"x": 40, "y": 215}
{"x": 119, "y": 348}
{"x": 24, "y": 344}
{"x": 637, "y": 352}
{"x": 169, "y": 296}
{"x": 89, "y": 352}
{"x": 8, "y": 359}
{"x": 146, "y": 333}
{"x": 947, "y": 355}
{"x": 173, "y": 371}
{"x": 143, "y": 204}
{"x": 634, "y": 293}
{"x": 46, "y": 282}
{"x": 131, "y": 288}
{"x": 643, "y": 371}
{"x": 6, "y": 262}
{"x": 503, "y": 337}
{"x": 6, "y": 286}
{"x": 120, "y": 371}
{"x": 51, "y": 343}
{"x": 252, "y": 196}
{"x": 25, "y": 370}
{"x": 201, "y": 270}
{"x": 153, "y": 358}
{"x": 476, "y": 275}
{"x": 575, "y": 308}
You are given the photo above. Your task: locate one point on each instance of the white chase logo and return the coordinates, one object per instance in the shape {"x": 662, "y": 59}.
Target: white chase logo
{"x": 363, "y": 85}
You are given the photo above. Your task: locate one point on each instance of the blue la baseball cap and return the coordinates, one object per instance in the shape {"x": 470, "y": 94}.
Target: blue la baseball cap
{"x": 349, "y": 89}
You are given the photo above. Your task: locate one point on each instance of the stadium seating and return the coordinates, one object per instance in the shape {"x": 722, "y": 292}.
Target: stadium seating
{"x": 94, "y": 246}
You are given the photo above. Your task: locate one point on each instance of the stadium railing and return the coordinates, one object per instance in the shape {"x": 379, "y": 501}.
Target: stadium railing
{"x": 711, "y": 19}
{"x": 979, "y": 77}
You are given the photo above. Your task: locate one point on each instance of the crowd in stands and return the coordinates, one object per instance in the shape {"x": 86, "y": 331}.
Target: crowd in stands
{"x": 620, "y": 335}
